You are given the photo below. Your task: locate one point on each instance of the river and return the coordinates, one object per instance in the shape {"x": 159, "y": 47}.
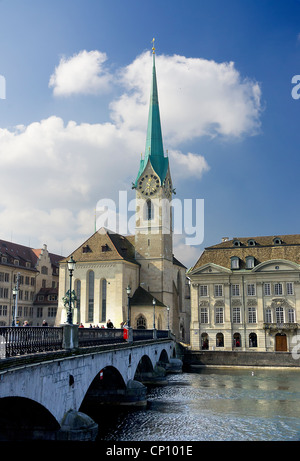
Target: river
{"x": 213, "y": 404}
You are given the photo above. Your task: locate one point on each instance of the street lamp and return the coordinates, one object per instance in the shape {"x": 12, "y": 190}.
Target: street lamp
{"x": 128, "y": 290}
{"x": 168, "y": 312}
{"x": 71, "y": 267}
{"x": 14, "y": 292}
{"x": 154, "y": 302}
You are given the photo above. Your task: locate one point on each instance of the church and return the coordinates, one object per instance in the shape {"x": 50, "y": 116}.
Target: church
{"x": 115, "y": 271}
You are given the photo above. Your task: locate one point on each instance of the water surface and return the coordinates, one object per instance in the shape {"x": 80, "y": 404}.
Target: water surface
{"x": 220, "y": 404}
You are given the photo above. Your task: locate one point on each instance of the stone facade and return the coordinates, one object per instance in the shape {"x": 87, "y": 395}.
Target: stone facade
{"x": 245, "y": 295}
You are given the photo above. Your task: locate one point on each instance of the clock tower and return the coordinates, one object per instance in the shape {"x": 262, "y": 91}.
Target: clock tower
{"x": 153, "y": 234}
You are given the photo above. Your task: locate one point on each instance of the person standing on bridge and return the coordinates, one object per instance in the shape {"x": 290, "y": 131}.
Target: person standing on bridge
{"x": 109, "y": 324}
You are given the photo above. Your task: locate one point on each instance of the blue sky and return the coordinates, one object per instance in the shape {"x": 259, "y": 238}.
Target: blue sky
{"x": 232, "y": 130}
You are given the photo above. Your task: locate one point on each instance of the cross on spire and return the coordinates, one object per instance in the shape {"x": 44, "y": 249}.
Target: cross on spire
{"x": 153, "y": 49}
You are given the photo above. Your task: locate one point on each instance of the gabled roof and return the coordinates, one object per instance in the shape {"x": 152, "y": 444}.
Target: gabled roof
{"x": 24, "y": 255}
{"x": 105, "y": 245}
{"x": 142, "y": 297}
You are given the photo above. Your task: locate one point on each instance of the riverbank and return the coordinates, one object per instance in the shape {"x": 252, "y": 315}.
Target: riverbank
{"x": 235, "y": 359}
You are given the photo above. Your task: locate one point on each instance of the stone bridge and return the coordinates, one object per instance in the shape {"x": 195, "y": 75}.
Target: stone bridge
{"x": 53, "y": 395}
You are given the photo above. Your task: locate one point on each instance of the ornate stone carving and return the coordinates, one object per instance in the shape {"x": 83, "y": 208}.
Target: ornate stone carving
{"x": 218, "y": 303}
{"x": 236, "y": 302}
{"x": 252, "y": 302}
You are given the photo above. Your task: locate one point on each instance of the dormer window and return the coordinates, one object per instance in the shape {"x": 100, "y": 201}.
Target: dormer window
{"x": 251, "y": 243}
{"x": 86, "y": 249}
{"x": 105, "y": 248}
{"x": 235, "y": 262}
{"x": 236, "y": 243}
{"x": 249, "y": 262}
{"x": 277, "y": 241}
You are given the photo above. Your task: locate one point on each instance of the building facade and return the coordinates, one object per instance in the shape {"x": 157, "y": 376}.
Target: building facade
{"x": 108, "y": 263}
{"x": 245, "y": 295}
{"x": 34, "y": 272}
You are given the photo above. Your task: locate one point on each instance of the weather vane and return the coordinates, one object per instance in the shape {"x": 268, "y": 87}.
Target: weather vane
{"x": 153, "y": 49}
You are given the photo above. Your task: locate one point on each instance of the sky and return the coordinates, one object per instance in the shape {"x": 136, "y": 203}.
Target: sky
{"x": 75, "y": 82}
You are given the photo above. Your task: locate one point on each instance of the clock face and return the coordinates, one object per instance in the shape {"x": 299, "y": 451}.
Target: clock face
{"x": 148, "y": 184}
{"x": 168, "y": 187}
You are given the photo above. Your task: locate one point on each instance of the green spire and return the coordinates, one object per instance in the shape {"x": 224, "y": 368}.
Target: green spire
{"x": 154, "y": 143}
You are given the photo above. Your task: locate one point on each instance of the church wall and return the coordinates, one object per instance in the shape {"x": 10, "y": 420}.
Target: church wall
{"x": 117, "y": 274}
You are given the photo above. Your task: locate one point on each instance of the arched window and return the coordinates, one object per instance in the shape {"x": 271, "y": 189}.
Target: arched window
{"x": 235, "y": 262}
{"x": 141, "y": 323}
{"x": 204, "y": 341}
{"x": 252, "y": 340}
{"x": 219, "y": 340}
{"x": 103, "y": 299}
{"x": 237, "y": 340}
{"x": 91, "y": 281}
{"x": 149, "y": 210}
{"x": 78, "y": 294}
{"x": 249, "y": 262}
{"x": 179, "y": 291}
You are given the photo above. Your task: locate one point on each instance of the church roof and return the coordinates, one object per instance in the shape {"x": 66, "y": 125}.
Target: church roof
{"x": 143, "y": 297}
{"x": 105, "y": 245}
{"x": 154, "y": 151}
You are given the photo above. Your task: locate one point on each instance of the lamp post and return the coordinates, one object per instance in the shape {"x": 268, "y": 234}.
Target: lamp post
{"x": 128, "y": 290}
{"x": 71, "y": 267}
{"x": 14, "y": 292}
{"x": 154, "y": 302}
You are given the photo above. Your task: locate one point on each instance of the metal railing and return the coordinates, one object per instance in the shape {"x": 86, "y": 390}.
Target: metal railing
{"x": 29, "y": 340}
{"x": 95, "y": 336}
{"x": 15, "y": 341}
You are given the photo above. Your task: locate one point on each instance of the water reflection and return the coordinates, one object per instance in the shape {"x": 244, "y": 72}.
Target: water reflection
{"x": 214, "y": 404}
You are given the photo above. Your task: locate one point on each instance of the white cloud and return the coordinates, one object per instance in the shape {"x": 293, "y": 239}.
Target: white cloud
{"x": 83, "y": 73}
{"x": 53, "y": 173}
{"x": 188, "y": 165}
{"x": 197, "y": 97}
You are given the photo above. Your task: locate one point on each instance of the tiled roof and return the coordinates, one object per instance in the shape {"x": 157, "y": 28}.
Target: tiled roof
{"x": 105, "y": 245}
{"x": 142, "y": 297}
{"x": 24, "y": 254}
{"x": 261, "y": 248}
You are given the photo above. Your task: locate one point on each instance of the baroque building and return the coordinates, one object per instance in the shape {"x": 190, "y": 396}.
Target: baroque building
{"x": 108, "y": 263}
{"x": 245, "y": 295}
{"x": 35, "y": 273}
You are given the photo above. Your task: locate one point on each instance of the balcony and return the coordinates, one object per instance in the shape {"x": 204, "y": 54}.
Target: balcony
{"x": 281, "y": 326}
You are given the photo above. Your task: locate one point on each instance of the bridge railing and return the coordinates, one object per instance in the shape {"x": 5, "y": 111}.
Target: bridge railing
{"x": 28, "y": 340}
{"x": 94, "y": 336}
{"x": 16, "y": 341}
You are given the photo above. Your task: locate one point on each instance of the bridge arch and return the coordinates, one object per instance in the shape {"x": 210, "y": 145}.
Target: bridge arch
{"x": 25, "y": 417}
{"x": 59, "y": 386}
{"x": 144, "y": 366}
{"x": 164, "y": 358}
{"x": 106, "y": 384}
